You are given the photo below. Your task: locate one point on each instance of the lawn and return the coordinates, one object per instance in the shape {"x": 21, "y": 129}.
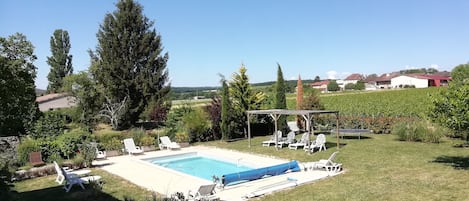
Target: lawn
{"x": 377, "y": 167}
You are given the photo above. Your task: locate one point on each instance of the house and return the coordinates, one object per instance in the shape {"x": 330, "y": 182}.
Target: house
{"x": 321, "y": 85}
{"x": 419, "y": 81}
{"x": 353, "y": 78}
{"x": 55, "y": 101}
{"x": 384, "y": 81}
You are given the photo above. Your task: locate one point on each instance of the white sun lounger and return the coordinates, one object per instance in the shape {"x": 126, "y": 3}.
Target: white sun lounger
{"x": 165, "y": 143}
{"x": 301, "y": 143}
{"x": 130, "y": 147}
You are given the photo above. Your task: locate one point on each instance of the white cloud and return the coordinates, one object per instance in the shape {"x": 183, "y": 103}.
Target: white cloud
{"x": 331, "y": 75}
{"x": 435, "y": 66}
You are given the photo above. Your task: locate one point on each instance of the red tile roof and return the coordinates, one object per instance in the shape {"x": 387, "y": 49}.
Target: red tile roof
{"x": 320, "y": 83}
{"x": 355, "y": 76}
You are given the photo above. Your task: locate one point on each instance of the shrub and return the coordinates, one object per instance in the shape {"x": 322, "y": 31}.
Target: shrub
{"x": 182, "y": 137}
{"x": 88, "y": 151}
{"x": 50, "y": 150}
{"x": 27, "y": 146}
{"x": 78, "y": 160}
{"x": 418, "y": 131}
{"x": 69, "y": 141}
{"x": 113, "y": 144}
{"x": 137, "y": 134}
{"x": 147, "y": 141}
{"x": 48, "y": 126}
{"x": 196, "y": 125}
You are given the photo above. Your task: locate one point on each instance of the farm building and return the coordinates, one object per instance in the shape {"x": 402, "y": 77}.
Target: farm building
{"x": 55, "y": 101}
{"x": 419, "y": 81}
{"x": 321, "y": 85}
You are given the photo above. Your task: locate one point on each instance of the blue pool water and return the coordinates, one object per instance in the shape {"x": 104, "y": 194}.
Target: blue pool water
{"x": 199, "y": 166}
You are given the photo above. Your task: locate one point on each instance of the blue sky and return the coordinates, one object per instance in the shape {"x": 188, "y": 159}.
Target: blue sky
{"x": 205, "y": 38}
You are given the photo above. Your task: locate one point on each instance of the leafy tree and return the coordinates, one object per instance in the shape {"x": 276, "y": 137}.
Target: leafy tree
{"x": 88, "y": 95}
{"x": 333, "y": 86}
{"x": 349, "y": 86}
{"x": 451, "y": 109}
{"x": 359, "y": 85}
{"x": 214, "y": 114}
{"x": 317, "y": 79}
{"x": 460, "y": 73}
{"x": 130, "y": 61}
{"x": 17, "y": 90}
{"x": 281, "y": 100}
{"x": 49, "y": 126}
{"x": 60, "y": 61}
{"x": 243, "y": 99}
{"x": 312, "y": 101}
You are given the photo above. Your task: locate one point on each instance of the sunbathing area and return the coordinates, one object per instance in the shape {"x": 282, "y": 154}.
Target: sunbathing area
{"x": 167, "y": 181}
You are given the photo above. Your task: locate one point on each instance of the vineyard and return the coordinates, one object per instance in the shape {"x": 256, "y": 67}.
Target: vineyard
{"x": 379, "y": 111}
{"x": 390, "y": 103}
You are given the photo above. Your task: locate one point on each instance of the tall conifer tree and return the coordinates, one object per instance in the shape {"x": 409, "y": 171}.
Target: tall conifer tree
{"x": 60, "y": 62}
{"x": 280, "y": 99}
{"x": 131, "y": 62}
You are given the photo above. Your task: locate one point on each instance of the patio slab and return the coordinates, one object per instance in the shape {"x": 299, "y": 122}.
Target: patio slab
{"x": 167, "y": 181}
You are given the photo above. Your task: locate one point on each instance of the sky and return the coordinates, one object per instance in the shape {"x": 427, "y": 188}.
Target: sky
{"x": 206, "y": 38}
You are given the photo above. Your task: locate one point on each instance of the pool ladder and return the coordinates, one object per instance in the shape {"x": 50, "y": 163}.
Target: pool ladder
{"x": 237, "y": 163}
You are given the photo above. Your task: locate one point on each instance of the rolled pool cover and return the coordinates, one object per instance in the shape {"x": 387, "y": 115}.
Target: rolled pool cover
{"x": 250, "y": 175}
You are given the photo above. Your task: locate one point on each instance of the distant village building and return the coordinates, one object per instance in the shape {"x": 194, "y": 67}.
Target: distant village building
{"x": 419, "y": 81}
{"x": 55, "y": 101}
{"x": 353, "y": 78}
{"x": 321, "y": 85}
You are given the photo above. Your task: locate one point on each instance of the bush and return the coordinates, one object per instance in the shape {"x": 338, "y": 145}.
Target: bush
{"x": 137, "y": 134}
{"x": 49, "y": 126}
{"x": 196, "y": 125}
{"x": 69, "y": 141}
{"x": 50, "y": 150}
{"x": 418, "y": 131}
{"x": 88, "y": 152}
{"x": 27, "y": 146}
{"x": 147, "y": 141}
{"x": 113, "y": 144}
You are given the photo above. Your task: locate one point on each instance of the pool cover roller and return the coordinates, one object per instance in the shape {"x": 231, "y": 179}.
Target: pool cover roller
{"x": 250, "y": 175}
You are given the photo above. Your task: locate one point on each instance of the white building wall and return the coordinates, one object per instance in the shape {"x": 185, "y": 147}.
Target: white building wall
{"x": 406, "y": 80}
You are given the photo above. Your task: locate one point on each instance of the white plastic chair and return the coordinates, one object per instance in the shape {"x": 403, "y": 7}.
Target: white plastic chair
{"x": 319, "y": 143}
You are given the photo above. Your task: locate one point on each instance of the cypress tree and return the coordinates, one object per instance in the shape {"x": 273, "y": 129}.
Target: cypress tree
{"x": 225, "y": 112}
{"x": 280, "y": 99}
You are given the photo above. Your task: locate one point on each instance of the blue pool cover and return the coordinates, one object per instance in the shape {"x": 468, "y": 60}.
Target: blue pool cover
{"x": 250, "y": 175}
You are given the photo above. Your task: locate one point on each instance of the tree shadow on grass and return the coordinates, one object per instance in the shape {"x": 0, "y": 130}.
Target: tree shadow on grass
{"x": 58, "y": 193}
{"x": 458, "y": 162}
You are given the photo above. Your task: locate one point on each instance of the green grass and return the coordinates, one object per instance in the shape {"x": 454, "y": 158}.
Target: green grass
{"x": 45, "y": 188}
{"x": 376, "y": 168}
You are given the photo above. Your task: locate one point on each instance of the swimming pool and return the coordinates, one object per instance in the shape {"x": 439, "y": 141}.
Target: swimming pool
{"x": 198, "y": 165}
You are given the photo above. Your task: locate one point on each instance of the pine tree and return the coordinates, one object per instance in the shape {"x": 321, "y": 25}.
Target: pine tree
{"x": 130, "y": 60}
{"x": 60, "y": 61}
{"x": 280, "y": 99}
{"x": 243, "y": 99}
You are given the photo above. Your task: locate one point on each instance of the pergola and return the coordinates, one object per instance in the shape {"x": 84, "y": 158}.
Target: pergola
{"x": 306, "y": 114}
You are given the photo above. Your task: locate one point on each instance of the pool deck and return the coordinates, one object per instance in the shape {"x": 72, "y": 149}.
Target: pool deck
{"x": 166, "y": 181}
